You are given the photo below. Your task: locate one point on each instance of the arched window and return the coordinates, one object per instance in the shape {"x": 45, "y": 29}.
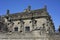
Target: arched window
{"x": 16, "y": 28}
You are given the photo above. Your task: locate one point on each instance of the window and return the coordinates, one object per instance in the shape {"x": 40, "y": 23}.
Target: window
{"x": 27, "y": 28}
{"x": 16, "y": 28}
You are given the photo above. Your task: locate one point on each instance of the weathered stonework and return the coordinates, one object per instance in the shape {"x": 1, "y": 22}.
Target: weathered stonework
{"x": 28, "y": 25}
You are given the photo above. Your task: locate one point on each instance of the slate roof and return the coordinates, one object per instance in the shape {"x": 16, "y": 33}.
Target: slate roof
{"x": 34, "y": 13}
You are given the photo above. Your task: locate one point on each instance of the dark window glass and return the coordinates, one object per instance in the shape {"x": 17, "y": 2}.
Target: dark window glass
{"x": 27, "y": 28}
{"x": 16, "y": 28}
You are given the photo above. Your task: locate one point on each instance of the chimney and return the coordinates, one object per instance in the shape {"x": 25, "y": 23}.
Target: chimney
{"x": 28, "y": 9}
{"x": 7, "y": 12}
{"x": 45, "y": 7}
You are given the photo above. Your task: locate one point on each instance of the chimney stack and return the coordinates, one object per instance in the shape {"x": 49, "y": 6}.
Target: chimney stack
{"x": 8, "y": 12}
{"x": 28, "y": 9}
{"x": 45, "y": 7}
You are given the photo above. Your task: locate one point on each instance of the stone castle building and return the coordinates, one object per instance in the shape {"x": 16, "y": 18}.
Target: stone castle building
{"x": 28, "y": 25}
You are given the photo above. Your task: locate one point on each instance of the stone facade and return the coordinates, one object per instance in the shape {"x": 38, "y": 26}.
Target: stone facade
{"x": 27, "y": 25}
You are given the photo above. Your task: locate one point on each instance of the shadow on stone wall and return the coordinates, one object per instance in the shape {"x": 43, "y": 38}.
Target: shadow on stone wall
{"x": 54, "y": 36}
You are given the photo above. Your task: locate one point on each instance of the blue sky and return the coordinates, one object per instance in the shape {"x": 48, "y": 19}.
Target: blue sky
{"x": 53, "y": 7}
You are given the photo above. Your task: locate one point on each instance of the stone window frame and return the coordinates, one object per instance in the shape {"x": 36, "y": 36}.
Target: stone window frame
{"x": 15, "y": 29}
{"x": 27, "y": 29}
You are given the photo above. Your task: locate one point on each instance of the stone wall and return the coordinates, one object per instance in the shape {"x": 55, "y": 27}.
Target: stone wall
{"x": 19, "y": 36}
{"x": 28, "y": 36}
{"x": 54, "y": 36}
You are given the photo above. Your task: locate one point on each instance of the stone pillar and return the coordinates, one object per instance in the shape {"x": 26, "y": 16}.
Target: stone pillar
{"x": 22, "y": 26}
{"x": 33, "y": 21}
